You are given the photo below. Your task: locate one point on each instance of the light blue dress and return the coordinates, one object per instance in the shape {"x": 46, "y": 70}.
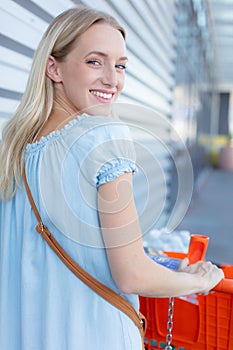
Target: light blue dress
{"x": 43, "y": 306}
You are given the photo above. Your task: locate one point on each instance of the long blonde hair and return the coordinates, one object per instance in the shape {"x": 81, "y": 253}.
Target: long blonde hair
{"x": 37, "y": 101}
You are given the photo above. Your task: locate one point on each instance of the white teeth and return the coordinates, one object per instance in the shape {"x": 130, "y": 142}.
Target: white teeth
{"x": 101, "y": 94}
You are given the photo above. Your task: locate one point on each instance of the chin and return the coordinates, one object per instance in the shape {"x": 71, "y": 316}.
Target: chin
{"x": 103, "y": 109}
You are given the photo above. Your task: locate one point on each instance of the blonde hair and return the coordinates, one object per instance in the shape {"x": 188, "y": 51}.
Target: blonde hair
{"x": 37, "y": 101}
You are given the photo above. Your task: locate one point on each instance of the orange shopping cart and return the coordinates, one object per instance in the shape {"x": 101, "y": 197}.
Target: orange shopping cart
{"x": 195, "y": 322}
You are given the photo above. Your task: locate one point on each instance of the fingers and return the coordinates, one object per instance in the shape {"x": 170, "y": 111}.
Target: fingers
{"x": 208, "y": 273}
{"x": 184, "y": 263}
{"x": 205, "y": 267}
{"x": 211, "y": 275}
{"x": 194, "y": 268}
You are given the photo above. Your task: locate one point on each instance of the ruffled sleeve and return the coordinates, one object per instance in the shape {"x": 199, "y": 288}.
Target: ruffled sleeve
{"x": 113, "y": 169}
{"x": 119, "y": 155}
{"x": 112, "y": 152}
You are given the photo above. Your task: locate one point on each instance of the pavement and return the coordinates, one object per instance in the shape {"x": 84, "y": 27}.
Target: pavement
{"x": 211, "y": 213}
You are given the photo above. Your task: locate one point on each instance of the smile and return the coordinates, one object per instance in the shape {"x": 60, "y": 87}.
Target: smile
{"x": 104, "y": 95}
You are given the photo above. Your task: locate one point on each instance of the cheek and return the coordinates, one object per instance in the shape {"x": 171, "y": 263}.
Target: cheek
{"x": 76, "y": 85}
{"x": 121, "y": 82}
{"x": 75, "y": 75}
{"x": 84, "y": 80}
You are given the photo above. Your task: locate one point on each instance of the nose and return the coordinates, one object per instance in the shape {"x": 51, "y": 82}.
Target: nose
{"x": 109, "y": 77}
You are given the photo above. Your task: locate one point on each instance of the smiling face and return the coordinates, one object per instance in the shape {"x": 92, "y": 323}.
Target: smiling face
{"x": 91, "y": 76}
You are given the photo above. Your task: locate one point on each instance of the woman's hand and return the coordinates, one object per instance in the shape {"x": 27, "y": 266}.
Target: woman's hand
{"x": 208, "y": 272}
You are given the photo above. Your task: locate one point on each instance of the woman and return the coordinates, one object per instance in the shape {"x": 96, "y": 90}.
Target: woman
{"x": 79, "y": 163}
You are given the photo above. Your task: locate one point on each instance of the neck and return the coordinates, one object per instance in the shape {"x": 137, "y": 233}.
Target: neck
{"x": 61, "y": 109}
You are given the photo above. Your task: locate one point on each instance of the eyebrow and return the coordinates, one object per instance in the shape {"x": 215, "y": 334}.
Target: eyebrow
{"x": 100, "y": 53}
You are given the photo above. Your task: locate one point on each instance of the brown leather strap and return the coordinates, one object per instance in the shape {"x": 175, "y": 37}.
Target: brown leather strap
{"x": 105, "y": 292}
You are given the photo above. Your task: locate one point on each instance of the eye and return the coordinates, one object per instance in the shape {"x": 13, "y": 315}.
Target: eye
{"x": 120, "y": 66}
{"x": 94, "y": 62}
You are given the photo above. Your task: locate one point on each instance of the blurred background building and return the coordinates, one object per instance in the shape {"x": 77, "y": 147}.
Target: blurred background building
{"x": 180, "y": 67}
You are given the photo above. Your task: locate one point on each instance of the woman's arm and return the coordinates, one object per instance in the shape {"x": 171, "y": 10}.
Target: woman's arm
{"x": 131, "y": 269}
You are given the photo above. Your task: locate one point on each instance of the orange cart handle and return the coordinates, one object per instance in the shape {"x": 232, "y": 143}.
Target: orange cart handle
{"x": 225, "y": 285}
{"x": 197, "y": 249}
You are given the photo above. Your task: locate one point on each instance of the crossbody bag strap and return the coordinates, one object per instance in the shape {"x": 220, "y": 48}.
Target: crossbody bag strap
{"x": 102, "y": 290}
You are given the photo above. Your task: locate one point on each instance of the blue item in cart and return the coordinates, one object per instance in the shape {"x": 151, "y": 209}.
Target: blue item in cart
{"x": 171, "y": 263}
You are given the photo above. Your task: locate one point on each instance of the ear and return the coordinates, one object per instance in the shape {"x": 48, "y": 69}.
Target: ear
{"x": 52, "y": 70}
